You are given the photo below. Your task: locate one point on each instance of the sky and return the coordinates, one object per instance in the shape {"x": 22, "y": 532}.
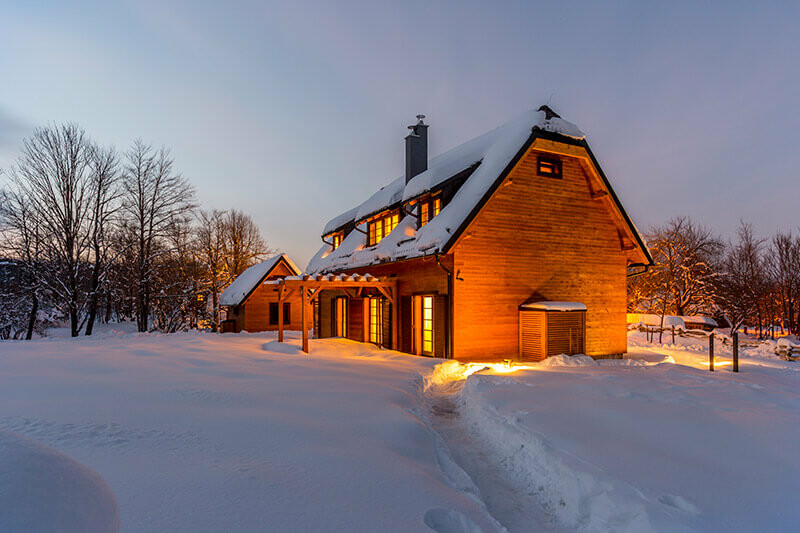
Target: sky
{"x": 296, "y": 111}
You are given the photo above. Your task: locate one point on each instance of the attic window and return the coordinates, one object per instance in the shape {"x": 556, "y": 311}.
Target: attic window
{"x": 429, "y": 209}
{"x": 549, "y": 167}
{"x": 336, "y": 240}
{"x": 381, "y": 227}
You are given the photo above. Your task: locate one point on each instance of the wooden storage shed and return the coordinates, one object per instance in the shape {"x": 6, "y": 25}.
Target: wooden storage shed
{"x": 551, "y": 328}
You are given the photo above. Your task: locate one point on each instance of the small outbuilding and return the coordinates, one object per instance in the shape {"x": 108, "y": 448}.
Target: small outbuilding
{"x": 551, "y": 328}
{"x": 252, "y": 302}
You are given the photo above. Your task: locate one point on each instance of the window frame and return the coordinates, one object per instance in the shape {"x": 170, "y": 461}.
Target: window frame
{"x": 375, "y": 321}
{"x": 428, "y": 209}
{"x": 340, "y": 306}
{"x": 381, "y": 226}
{"x": 549, "y": 167}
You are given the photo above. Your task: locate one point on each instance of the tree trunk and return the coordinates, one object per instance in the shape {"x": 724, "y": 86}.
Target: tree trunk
{"x": 32, "y": 317}
{"x": 93, "y": 287}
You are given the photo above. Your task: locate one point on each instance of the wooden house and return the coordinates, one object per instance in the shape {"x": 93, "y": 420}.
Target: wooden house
{"x": 251, "y": 301}
{"x": 519, "y": 215}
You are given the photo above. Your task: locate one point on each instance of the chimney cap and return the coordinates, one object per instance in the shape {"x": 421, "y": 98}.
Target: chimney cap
{"x": 413, "y": 127}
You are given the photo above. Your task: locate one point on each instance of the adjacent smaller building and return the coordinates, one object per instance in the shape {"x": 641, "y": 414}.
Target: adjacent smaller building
{"x": 251, "y": 301}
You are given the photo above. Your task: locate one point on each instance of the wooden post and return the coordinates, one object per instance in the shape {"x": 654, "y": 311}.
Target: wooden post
{"x": 280, "y": 313}
{"x": 365, "y": 318}
{"x": 303, "y": 318}
{"x": 711, "y": 352}
{"x": 735, "y": 351}
{"x": 673, "y": 334}
{"x": 395, "y": 319}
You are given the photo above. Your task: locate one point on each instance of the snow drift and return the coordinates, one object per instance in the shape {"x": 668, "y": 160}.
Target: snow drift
{"x": 42, "y": 489}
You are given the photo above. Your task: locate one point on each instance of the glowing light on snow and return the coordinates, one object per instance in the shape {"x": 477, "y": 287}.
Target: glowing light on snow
{"x": 455, "y": 371}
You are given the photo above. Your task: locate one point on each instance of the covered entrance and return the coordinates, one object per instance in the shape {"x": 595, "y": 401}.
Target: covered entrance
{"x": 367, "y": 303}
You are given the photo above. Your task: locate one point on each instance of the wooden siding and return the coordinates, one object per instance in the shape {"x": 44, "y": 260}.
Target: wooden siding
{"x": 256, "y": 310}
{"x": 253, "y": 315}
{"x": 543, "y": 237}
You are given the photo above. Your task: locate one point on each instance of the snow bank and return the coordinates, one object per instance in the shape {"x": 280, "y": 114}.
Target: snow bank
{"x": 633, "y": 445}
{"x": 42, "y": 489}
{"x": 569, "y": 360}
{"x": 204, "y": 432}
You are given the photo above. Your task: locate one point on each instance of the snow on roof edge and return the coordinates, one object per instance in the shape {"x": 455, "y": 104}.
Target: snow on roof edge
{"x": 555, "y": 306}
{"x": 246, "y": 282}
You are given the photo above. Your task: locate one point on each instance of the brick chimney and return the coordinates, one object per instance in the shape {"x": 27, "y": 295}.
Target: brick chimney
{"x": 417, "y": 149}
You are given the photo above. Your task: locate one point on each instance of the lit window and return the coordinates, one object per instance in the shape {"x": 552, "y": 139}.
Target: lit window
{"x": 336, "y": 240}
{"x": 381, "y": 227}
{"x": 427, "y": 325}
{"x": 340, "y": 311}
{"x": 429, "y": 209}
{"x": 549, "y": 167}
{"x": 375, "y": 321}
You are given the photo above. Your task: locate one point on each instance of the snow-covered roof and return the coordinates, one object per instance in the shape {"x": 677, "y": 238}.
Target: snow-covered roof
{"x": 670, "y": 320}
{"x": 492, "y": 151}
{"x": 555, "y": 306}
{"x": 238, "y": 291}
{"x": 697, "y": 319}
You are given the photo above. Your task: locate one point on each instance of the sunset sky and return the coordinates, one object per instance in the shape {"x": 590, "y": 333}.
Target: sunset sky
{"x": 295, "y": 112}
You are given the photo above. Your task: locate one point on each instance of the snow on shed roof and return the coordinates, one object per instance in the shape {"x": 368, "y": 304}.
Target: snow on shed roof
{"x": 492, "y": 151}
{"x": 555, "y": 306}
{"x": 238, "y": 291}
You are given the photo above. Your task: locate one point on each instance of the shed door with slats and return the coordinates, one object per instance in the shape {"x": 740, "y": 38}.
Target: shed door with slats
{"x": 532, "y": 335}
{"x": 565, "y": 332}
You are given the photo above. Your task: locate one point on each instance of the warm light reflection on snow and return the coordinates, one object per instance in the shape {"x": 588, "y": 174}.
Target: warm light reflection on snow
{"x": 455, "y": 371}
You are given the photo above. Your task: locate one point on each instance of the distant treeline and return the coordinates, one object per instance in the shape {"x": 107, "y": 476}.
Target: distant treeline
{"x": 749, "y": 282}
{"x": 89, "y": 234}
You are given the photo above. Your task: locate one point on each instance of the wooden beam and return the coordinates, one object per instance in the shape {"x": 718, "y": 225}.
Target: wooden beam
{"x": 365, "y": 318}
{"x": 281, "y": 297}
{"x": 303, "y": 313}
{"x": 395, "y": 319}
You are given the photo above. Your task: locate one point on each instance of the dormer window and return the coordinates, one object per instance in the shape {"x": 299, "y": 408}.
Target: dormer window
{"x": 336, "y": 240}
{"x": 429, "y": 209}
{"x": 549, "y": 167}
{"x": 381, "y": 227}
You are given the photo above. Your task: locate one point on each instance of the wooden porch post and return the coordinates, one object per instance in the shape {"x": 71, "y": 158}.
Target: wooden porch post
{"x": 303, "y": 313}
{"x": 365, "y": 318}
{"x": 280, "y": 311}
{"x": 395, "y": 318}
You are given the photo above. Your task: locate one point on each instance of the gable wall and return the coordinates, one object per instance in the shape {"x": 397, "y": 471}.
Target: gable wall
{"x": 538, "y": 235}
{"x": 254, "y": 314}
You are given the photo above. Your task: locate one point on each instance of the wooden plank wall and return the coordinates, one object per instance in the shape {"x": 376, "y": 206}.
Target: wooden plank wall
{"x": 544, "y": 237}
{"x": 255, "y": 315}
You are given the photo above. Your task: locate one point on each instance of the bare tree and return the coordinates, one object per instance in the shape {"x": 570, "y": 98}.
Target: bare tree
{"x": 682, "y": 279}
{"x": 105, "y": 193}
{"x": 52, "y": 176}
{"x": 244, "y": 245}
{"x": 23, "y": 279}
{"x": 743, "y": 281}
{"x": 783, "y": 262}
{"x": 154, "y": 196}
{"x": 210, "y": 255}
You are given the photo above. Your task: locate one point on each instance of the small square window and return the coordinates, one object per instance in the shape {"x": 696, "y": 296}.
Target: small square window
{"x": 549, "y": 167}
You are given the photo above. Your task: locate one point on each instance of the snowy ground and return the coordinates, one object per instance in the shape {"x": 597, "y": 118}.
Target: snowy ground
{"x": 201, "y": 432}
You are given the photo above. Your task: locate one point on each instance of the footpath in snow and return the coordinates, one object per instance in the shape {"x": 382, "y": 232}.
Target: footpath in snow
{"x": 630, "y": 445}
